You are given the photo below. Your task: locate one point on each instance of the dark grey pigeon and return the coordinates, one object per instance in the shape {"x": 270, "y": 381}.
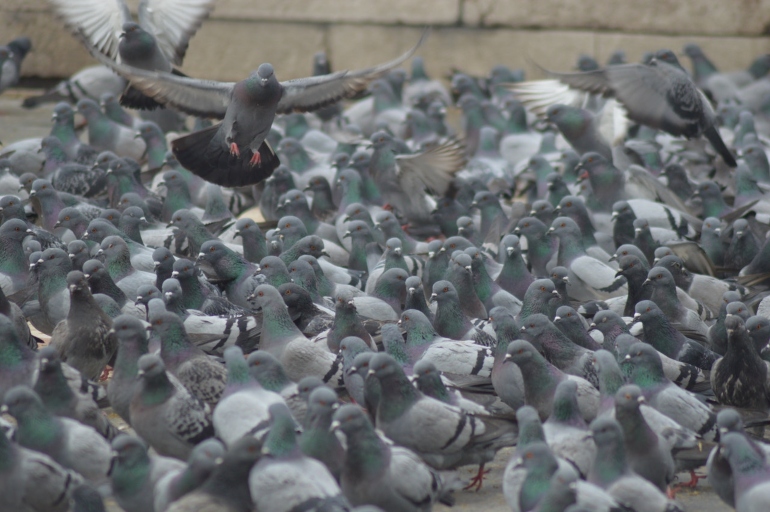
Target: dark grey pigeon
{"x": 659, "y": 94}
{"x": 234, "y": 152}
{"x": 83, "y": 340}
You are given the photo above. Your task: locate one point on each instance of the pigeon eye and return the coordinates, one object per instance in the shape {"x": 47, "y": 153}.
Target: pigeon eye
{"x": 17, "y": 229}
{"x": 211, "y": 250}
{"x": 446, "y": 289}
{"x": 542, "y": 288}
{"x": 648, "y": 309}
{"x": 569, "y": 203}
{"x": 288, "y": 292}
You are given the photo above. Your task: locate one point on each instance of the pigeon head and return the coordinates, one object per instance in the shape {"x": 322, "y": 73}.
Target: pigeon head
{"x": 49, "y": 360}
{"x": 641, "y": 226}
{"x": 521, "y": 352}
{"x": 266, "y": 295}
{"x": 149, "y": 131}
{"x": 20, "y": 401}
{"x": 565, "y": 314}
{"x": 571, "y": 206}
{"x": 360, "y": 160}
{"x": 212, "y": 251}
{"x": 14, "y": 230}
{"x": 265, "y": 72}
{"x": 151, "y": 366}
{"x": 383, "y": 366}
{"x": 564, "y": 226}
{"x": 289, "y": 146}
{"x": 735, "y": 327}
{"x": 729, "y": 420}
{"x": 127, "y": 327}
{"x": 76, "y": 282}
{"x": 88, "y": 108}
{"x": 172, "y": 290}
{"x": 669, "y": 57}
{"x": 113, "y": 246}
{"x": 12, "y": 207}
{"x": 244, "y": 452}
{"x": 535, "y": 325}
{"x": 530, "y": 226}
{"x": 306, "y": 386}
{"x": 559, "y": 276}
{"x": 353, "y": 345}
{"x": 94, "y": 270}
{"x": 166, "y": 324}
{"x": 146, "y": 293}
{"x": 129, "y": 451}
{"x": 646, "y": 310}
{"x": 246, "y": 225}
{"x": 660, "y": 277}
{"x": 606, "y": 432}
{"x": 356, "y": 229}
{"x": 350, "y": 418}
{"x": 112, "y": 215}
{"x": 511, "y": 244}
{"x": 629, "y": 398}
{"x": 605, "y": 362}
{"x": 323, "y": 398}
{"x": 134, "y": 213}
{"x": 644, "y": 355}
{"x": 542, "y": 210}
{"x": 413, "y": 319}
{"x": 42, "y": 190}
{"x": 413, "y": 285}
{"x": 740, "y": 453}
{"x": 62, "y": 113}
{"x": 539, "y": 455}
{"x": 456, "y": 243}
{"x": 291, "y": 227}
{"x": 184, "y": 268}
{"x": 465, "y": 226}
{"x": 78, "y": 249}
{"x": 443, "y": 291}
{"x": 530, "y": 427}
{"x": 54, "y": 259}
{"x": 204, "y": 458}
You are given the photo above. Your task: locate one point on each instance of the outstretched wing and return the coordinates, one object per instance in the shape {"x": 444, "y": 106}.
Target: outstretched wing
{"x": 99, "y": 21}
{"x": 173, "y": 23}
{"x": 312, "y": 93}
{"x": 202, "y": 98}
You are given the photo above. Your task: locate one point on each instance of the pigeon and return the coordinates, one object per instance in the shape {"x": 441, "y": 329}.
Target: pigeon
{"x": 203, "y": 376}
{"x": 541, "y": 379}
{"x": 170, "y": 418}
{"x": 299, "y": 356}
{"x": 232, "y": 269}
{"x": 676, "y": 403}
{"x": 242, "y": 410}
{"x": 32, "y": 480}
{"x": 611, "y": 472}
{"x": 61, "y": 400}
{"x": 749, "y": 471}
{"x": 449, "y": 439}
{"x": 375, "y": 473}
{"x": 83, "y": 339}
{"x": 317, "y": 439}
{"x": 135, "y": 473}
{"x": 304, "y": 482}
{"x": 665, "y": 85}
{"x": 68, "y": 442}
{"x": 12, "y": 55}
{"x": 234, "y": 153}
{"x": 104, "y": 134}
{"x": 450, "y": 320}
{"x": 201, "y": 464}
{"x": 227, "y": 488}
{"x": 132, "y": 343}
{"x": 740, "y": 377}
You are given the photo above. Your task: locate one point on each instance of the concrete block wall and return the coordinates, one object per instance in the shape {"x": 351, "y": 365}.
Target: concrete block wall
{"x": 472, "y": 35}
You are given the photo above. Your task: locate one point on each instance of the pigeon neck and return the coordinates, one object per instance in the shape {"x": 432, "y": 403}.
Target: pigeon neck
{"x": 393, "y": 260}
{"x": 398, "y": 394}
{"x": 238, "y": 375}
{"x": 570, "y": 248}
{"x": 274, "y": 379}
{"x": 610, "y": 381}
{"x": 233, "y": 266}
{"x": 647, "y": 376}
{"x": 530, "y": 432}
{"x": 396, "y": 348}
{"x": 300, "y": 161}
{"x": 367, "y": 457}
{"x": 254, "y": 247}
{"x": 566, "y": 411}
{"x": 281, "y": 442}
{"x": 130, "y": 478}
{"x": 277, "y": 329}
{"x": 230, "y": 483}
{"x": 417, "y": 301}
{"x": 65, "y": 132}
{"x": 38, "y": 429}
{"x": 127, "y": 358}
{"x": 661, "y": 335}
{"x": 638, "y": 435}
{"x": 450, "y": 320}
{"x": 749, "y": 468}
{"x": 322, "y": 202}
{"x": 48, "y": 209}
{"x": 420, "y": 335}
{"x": 175, "y": 346}
{"x": 609, "y": 464}
{"x": 156, "y": 390}
{"x": 53, "y": 390}
{"x": 433, "y": 387}
{"x": 12, "y": 351}
{"x": 13, "y": 261}
{"x": 536, "y": 483}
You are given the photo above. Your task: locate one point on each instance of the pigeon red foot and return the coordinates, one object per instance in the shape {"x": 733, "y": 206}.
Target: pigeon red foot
{"x": 256, "y": 158}
{"x": 234, "y": 149}
{"x": 478, "y": 480}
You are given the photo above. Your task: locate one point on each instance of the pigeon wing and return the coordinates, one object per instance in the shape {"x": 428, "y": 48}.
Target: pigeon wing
{"x": 99, "y": 21}
{"x": 173, "y": 23}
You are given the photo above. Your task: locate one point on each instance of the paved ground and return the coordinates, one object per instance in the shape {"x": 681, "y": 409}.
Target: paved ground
{"x": 17, "y": 123}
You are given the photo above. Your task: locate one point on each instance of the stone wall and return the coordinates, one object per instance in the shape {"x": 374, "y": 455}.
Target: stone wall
{"x": 472, "y": 35}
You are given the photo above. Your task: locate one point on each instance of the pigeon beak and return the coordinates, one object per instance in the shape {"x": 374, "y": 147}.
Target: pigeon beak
{"x": 324, "y": 253}
{"x": 468, "y": 268}
{"x": 264, "y": 82}
{"x": 637, "y": 231}
{"x": 532, "y": 213}
{"x": 72, "y": 287}
{"x": 510, "y": 250}
{"x": 507, "y": 357}
{"x": 474, "y": 204}
{"x": 614, "y": 217}
{"x": 111, "y": 331}
{"x": 516, "y": 231}
{"x": 3, "y": 409}
{"x": 431, "y": 254}
{"x": 29, "y": 231}
{"x": 618, "y": 273}
{"x": 100, "y": 252}
{"x": 523, "y": 329}
{"x": 565, "y": 279}
{"x": 399, "y": 322}
{"x": 718, "y": 231}
{"x": 411, "y": 290}
{"x": 376, "y": 224}
{"x": 370, "y": 372}
{"x": 592, "y": 326}
{"x": 555, "y": 294}
{"x": 433, "y": 297}
{"x": 397, "y": 251}
{"x": 31, "y": 193}
{"x": 156, "y": 264}
{"x": 335, "y": 425}
{"x": 614, "y": 257}
{"x": 556, "y": 318}
{"x": 637, "y": 316}
{"x": 550, "y": 231}
{"x": 641, "y": 400}
{"x": 739, "y": 233}
{"x": 139, "y": 373}
{"x": 175, "y": 273}
{"x": 137, "y": 135}
{"x": 646, "y": 282}
{"x": 57, "y": 224}
{"x": 347, "y": 234}
{"x": 627, "y": 358}
{"x": 346, "y": 219}
{"x": 351, "y": 303}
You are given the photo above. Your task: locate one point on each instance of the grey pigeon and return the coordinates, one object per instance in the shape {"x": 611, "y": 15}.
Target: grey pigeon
{"x": 234, "y": 152}
{"x": 173, "y": 485}
{"x": 612, "y": 473}
{"x": 565, "y": 430}
{"x": 227, "y": 488}
{"x": 270, "y": 374}
{"x": 374, "y": 473}
{"x": 83, "y": 339}
{"x": 135, "y": 473}
{"x": 750, "y": 472}
{"x": 318, "y": 440}
{"x": 242, "y": 410}
{"x": 305, "y": 482}
{"x": 61, "y": 400}
{"x": 131, "y": 335}
{"x": 170, "y": 418}
{"x": 667, "y": 86}
{"x": 68, "y": 442}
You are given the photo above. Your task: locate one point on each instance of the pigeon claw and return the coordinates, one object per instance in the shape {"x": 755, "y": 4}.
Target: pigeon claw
{"x": 478, "y": 480}
{"x": 234, "y": 149}
{"x": 691, "y": 484}
{"x": 256, "y": 158}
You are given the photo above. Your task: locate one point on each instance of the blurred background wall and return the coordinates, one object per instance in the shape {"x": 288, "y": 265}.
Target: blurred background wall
{"x": 472, "y": 35}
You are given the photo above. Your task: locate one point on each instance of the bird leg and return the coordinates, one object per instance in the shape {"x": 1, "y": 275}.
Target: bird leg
{"x": 106, "y": 373}
{"x": 234, "y": 149}
{"x": 256, "y": 158}
{"x": 691, "y": 484}
{"x": 478, "y": 480}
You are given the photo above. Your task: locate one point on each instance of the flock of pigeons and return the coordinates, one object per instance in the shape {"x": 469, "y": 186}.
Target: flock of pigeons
{"x": 571, "y": 277}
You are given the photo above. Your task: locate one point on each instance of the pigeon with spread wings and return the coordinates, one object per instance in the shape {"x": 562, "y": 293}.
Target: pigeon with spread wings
{"x": 157, "y": 43}
{"x": 234, "y": 152}
{"x": 659, "y": 94}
